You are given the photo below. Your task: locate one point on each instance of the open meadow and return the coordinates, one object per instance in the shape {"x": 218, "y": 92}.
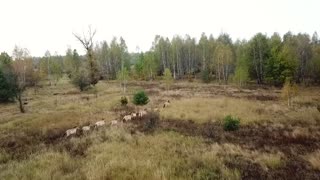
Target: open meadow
{"x": 184, "y": 140}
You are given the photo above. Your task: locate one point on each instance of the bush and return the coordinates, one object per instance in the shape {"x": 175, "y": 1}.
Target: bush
{"x": 231, "y": 123}
{"x": 205, "y": 76}
{"x": 7, "y": 90}
{"x": 124, "y": 101}
{"x": 81, "y": 79}
{"x": 140, "y": 98}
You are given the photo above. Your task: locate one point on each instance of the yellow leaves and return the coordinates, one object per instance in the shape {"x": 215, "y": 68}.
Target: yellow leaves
{"x": 289, "y": 90}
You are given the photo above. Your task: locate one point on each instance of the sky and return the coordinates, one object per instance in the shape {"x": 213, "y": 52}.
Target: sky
{"x": 41, "y": 25}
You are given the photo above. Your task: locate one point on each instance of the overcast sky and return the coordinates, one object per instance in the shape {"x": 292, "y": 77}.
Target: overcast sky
{"x": 41, "y": 25}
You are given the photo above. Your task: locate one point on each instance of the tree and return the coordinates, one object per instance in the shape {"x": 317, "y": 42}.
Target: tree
{"x": 288, "y": 58}
{"x": 289, "y": 91}
{"x": 139, "y": 66}
{"x": 315, "y": 38}
{"x": 314, "y": 65}
{"x": 22, "y": 67}
{"x": 204, "y": 51}
{"x": 140, "y": 98}
{"x": 19, "y": 81}
{"x": 223, "y": 59}
{"x": 150, "y": 66}
{"x": 48, "y": 58}
{"x": 68, "y": 62}
{"x": 274, "y": 67}
{"x": 115, "y": 56}
{"x": 123, "y": 76}
{"x": 205, "y": 76}
{"x": 304, "y": 51}
{"x": 71, "y": 62}
{"x": 5, "y": 60}
{"x": 7, "y": 90}
{"x": 241, "y": 75}
{"x": 103, "y": 57}
{"x": 162, "y": 51}
{"x": 177, "y": 56}
{"x": 57, "y": 71}
{"x": 168, "y": 78}
{"x": 259, "y": 55}
{"x": 87, "y": 42}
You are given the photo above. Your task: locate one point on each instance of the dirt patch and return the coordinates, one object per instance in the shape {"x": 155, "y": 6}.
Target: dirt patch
{"x": 248, "y": 169}
{"x": 153, "y": 91}
{"x": 261, "y": 137}
{"x": 262, "y": 97}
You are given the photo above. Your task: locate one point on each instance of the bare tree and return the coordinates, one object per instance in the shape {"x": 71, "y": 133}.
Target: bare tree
{"x": 87, "y": 42}
{"x": 20, "y": 67}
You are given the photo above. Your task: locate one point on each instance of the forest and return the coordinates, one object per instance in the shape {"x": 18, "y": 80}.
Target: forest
{"x": 262, "y": 59}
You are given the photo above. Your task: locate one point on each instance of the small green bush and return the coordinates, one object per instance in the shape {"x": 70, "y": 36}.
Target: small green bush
{"x": 231, "y": 123}
{"x": 140, "y": 98}
{"x": 81, "y": 79}
{"x": 205, "y": 76}
{"x": 124, "y": 101}
{"x": 7, "y": 89}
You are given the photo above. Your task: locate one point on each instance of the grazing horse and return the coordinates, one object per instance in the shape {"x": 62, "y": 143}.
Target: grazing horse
{"x": 72, "y": 131}
{"x": 127, "y": 118}
{"x": 100, "y": 123}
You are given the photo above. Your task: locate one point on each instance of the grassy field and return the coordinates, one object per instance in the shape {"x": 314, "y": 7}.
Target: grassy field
{"x": 186, "y": 142}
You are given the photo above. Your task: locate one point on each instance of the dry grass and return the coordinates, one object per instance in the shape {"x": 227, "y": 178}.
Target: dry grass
{"x": 266, "y": 160}
{"x": 203, "y": 110}
{"x": 46, "y": 165}
{"x": 314, "y": 159}
{"x": 215, "y": 109}
{"x": 115, "y": 153}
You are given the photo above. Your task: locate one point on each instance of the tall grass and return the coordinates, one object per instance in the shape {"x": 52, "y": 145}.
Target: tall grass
{"x": 215, "y": 109}
{"x": 314, "y": 159}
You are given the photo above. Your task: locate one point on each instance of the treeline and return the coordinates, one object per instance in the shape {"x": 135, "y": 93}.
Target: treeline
{"x": 263, "y": 59}
{"x": 266, "y": 60}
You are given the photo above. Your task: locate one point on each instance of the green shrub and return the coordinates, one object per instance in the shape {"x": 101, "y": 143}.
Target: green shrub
{"x": 124, "y": 101}
{"x": 140, "y": 98}
{"x": 7, "y": 90}
{"x": 205, "y": 76}
{"x": 81, "y": 79}
{"x": 231, "y": 123}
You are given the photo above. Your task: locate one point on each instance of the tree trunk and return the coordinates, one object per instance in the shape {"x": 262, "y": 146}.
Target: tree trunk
{"x": 174, "y": 70}
{"x": 260, "y": 65}
{"x": 256, "y": 65}
{"x": 163, "y": 60}
{"x": 218, "y": 64}
{"x": 20, "y": 103}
